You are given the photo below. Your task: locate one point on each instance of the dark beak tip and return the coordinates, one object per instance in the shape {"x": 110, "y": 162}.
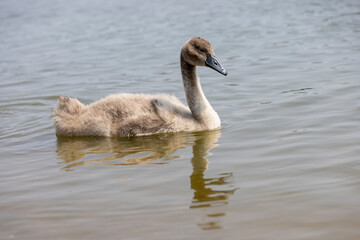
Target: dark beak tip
{"x": 223, "y": 72}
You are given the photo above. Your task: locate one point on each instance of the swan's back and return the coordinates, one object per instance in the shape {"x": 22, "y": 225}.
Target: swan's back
{"x": 122, "y": 115}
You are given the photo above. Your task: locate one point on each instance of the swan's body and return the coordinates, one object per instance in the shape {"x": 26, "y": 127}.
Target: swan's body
{"x": 143, "y": 114}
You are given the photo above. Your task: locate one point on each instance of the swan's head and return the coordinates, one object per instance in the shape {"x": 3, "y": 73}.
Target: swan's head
{"x": 198, "y": 52}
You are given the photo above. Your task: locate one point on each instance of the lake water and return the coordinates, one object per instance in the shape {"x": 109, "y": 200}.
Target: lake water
{"x": 285, "y": 165}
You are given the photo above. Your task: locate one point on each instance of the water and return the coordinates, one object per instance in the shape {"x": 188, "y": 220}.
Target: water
{"x": 285, "y": 165}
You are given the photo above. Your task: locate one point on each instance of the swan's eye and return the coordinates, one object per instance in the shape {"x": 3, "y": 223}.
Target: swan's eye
{"x": 201, "y": 50}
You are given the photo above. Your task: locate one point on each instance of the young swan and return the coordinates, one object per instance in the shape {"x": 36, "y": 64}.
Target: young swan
{"x": 143, "y": 114}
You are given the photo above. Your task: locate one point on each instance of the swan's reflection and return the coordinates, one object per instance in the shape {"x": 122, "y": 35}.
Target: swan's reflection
{"x": 156, "y": 149}
{"x": 204, "y": 194}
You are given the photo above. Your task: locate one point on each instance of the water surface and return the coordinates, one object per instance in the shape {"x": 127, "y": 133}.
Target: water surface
{"x": 285, "y": 165}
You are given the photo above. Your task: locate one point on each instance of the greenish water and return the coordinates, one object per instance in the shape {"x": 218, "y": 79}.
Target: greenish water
{"x": 285, "y": 165}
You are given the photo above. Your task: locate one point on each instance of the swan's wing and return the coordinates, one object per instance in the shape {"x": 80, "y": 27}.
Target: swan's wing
{"x": 169, "y": 108}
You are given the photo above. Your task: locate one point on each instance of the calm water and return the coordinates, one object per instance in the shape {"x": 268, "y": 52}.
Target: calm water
{"x": 285, "y": 165}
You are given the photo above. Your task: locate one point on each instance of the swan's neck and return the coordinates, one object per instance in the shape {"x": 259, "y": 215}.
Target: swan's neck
{"x": 197, "y": 102}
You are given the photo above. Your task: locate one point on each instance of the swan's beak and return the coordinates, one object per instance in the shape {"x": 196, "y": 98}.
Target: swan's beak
{"x": 211, "y": 62}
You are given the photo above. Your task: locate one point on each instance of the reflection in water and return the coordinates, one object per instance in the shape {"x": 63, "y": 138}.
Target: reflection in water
{"x": 155, "y": 149}
{"x": 204, "y": 194}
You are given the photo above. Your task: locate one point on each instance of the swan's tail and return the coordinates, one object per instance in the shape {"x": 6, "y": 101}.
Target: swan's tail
{"x": 66, "y": 113}
{"x": 67, "y": 106}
